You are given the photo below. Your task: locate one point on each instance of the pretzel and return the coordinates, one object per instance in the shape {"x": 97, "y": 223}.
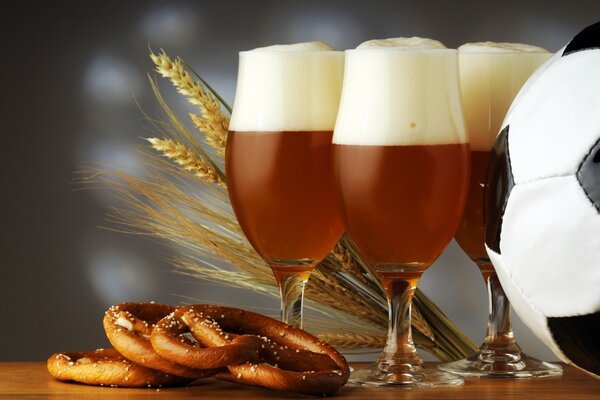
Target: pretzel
{"x": 128, "y": 327}
{"x": 301, "y": 362}
{"x": 106, "y": 367}
{"x": 164, "y": 339}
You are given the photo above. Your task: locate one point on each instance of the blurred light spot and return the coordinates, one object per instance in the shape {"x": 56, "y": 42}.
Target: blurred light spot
{"x": 321, "y": 27}
{"x": 118, "y": 155}
{"x": 112, "y": 80}
{"x": 335, "y": 26}
{"x": 170, "y": 26}
{"x": 118, "y": 276}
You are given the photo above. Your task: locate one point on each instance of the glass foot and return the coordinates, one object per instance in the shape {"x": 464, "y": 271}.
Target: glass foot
{"x": 480, "y": 365}
{"x": 420, "y": 376}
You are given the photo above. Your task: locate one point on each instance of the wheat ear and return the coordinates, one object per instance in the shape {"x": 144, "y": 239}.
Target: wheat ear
{"x": 216, "y": 138}
{"x": 212, "y": 122}
{"x": 187, "y": 159}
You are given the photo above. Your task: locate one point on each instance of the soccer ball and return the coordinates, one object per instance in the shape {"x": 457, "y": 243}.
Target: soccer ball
{"x": 543, "y": 202}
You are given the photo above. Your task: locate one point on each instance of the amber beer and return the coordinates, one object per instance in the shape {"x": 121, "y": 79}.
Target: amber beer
{"x": 278, "y": 160}
{"x": 470, "y": 234}
{"x": 491, "y": 76}
{"x": 281, "y": 189}
{"x": 406, "y": 218}
{"x": 278, "y": 156}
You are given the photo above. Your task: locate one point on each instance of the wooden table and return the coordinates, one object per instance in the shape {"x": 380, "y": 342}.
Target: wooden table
{"x": 32, "y": 381}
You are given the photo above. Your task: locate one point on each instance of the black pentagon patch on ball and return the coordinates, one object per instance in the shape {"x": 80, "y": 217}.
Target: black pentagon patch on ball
{"x": 588, "y": 175}
{"x": 589, "y": 38}
{"x": 500, "y": 182}
{"x": 577, "y": 337}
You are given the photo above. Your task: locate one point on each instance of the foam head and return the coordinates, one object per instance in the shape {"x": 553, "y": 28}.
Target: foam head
{"x": 305, "y": 46}
{"x": 288, "y": 88}
{"x": 491, "y": 75}
{"x": 500, "y": 47}
{"x": 401, "y": 42}
{"x": 402, "y": 94}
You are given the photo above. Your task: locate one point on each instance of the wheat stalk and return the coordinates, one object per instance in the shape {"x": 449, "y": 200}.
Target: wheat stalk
{"x": 353, "y": 340}
{"x": 213, "y": 123}
{"x": 348, "y": 263}
{"x": 420, "y": 323}
{"x": 187, "y": 159}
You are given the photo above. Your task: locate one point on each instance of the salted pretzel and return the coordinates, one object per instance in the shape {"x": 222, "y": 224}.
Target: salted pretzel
{"x": 106, "y": 367}
{"x": 299, "y": 361}
{"x": 128, "y": 327}
{"x": 237, "y": 350}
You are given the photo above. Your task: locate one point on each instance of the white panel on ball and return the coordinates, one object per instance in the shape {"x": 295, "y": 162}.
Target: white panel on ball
{"x": 550, "y": 241}
{"x": 552, "y": 128}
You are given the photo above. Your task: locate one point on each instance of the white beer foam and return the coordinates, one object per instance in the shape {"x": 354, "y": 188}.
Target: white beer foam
{"x": 491, "y": 75}
{"x": 288, "y": 88}
{"x": 500, "y": 47}
{"x": 412, "y": 43}
{"x": 305, "y": 46}
{"x": 400, "y": 96}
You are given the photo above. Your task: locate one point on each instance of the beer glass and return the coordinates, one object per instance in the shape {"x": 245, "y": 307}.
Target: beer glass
{"x": 278, "y": 161}
{"x": 401, "y": 168}
{"x": 491, "y": 75}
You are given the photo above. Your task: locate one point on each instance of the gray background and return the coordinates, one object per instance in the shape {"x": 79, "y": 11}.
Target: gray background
{"x": 68, "y": 74}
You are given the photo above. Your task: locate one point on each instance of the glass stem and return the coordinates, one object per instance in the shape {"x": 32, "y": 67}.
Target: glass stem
{"x": 400, "y": 355}
{"x": 499, "y": 340}
{"x": 291, "y": 283}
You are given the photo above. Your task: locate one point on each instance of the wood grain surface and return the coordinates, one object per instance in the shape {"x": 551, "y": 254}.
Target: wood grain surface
{"x": 32, "y": 381}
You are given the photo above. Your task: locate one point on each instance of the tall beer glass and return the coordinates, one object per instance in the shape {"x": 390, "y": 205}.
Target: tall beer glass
{"x": 401, "y": 163}
{"x": 491, "y": 75}
{"x": 278, "y": 161}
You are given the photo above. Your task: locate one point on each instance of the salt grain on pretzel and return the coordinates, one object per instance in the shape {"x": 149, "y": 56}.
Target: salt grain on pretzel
{"x": 323, "y": 371}
{"x": 165, "y": 340}
{"x": 128, "y": 327}
{"x": 107, "y": 368}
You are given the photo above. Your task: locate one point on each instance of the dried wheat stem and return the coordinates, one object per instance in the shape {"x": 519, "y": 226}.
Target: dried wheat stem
{"x": 187, "y": 159}
{"x": 420, "y": 323}
{"x": 328, "y": 291}
{"x": 353, "y": 341}
{"x": 213, "y": 123}
{"x": 341, "y": 253}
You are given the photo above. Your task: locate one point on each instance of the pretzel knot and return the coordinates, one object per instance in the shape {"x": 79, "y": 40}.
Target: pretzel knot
{"x": 128, "y": 327}
{"x": 106, "y": 367}
{"x": 288, "y": 359}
